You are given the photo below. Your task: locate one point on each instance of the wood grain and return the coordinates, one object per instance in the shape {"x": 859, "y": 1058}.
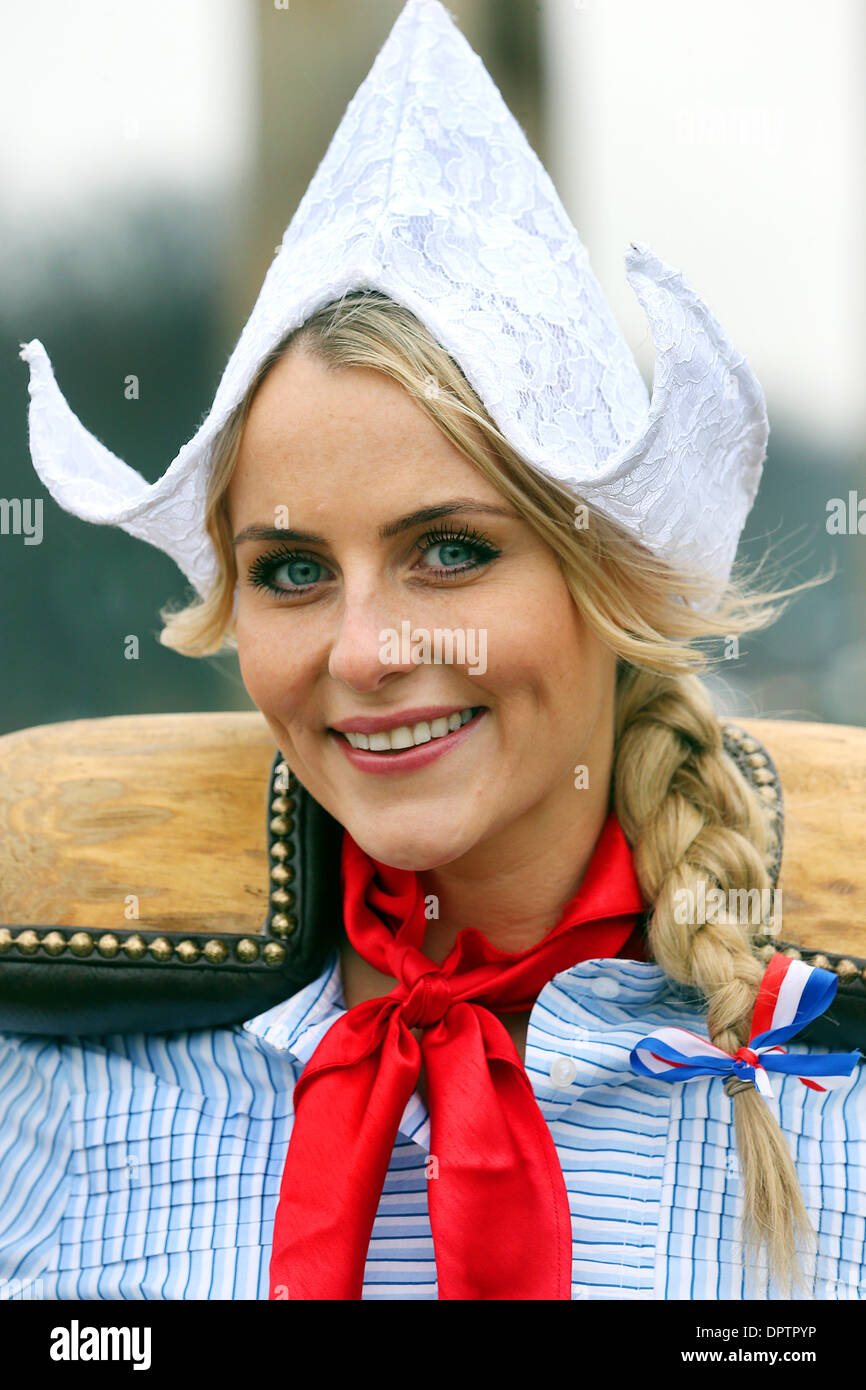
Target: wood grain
{"x": 170, "y": 810}
{"x": 822, "y": 768}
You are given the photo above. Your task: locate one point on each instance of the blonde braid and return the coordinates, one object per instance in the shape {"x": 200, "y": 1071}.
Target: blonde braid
{"x": 690, "y": 815}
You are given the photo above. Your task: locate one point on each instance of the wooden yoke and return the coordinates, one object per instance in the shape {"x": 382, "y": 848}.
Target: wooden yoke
{"x": 159, "y": 816}
{"x": 165, "y": 871}
{"x": 822, "y": 769}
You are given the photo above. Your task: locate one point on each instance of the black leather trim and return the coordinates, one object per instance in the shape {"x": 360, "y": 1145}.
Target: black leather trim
{"x": 67, "y": 995}
{"x": 741, "y": 746}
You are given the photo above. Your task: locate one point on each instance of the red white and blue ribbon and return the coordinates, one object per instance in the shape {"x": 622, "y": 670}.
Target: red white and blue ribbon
{"x": 791, "y": 994}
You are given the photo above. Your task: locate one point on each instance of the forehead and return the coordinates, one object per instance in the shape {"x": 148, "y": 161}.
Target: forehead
{"x": 324, "y": 431}
{"x": 303, "y": 398}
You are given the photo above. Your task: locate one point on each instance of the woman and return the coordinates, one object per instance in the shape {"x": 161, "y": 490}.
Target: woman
{"x": 453, "y": 1108}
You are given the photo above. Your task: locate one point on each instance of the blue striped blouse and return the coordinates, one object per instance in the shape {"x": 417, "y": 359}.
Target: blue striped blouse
{"x": 138, "y": 1166}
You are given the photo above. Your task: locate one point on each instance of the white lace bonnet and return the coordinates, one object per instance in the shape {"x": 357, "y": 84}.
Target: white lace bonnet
{"x": 430, "y": 192}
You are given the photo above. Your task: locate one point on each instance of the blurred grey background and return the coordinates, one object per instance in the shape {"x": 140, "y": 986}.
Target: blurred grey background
{"x": 152, "y": 156}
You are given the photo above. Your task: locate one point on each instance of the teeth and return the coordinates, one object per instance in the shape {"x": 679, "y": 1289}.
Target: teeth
{"x": 406, "y": 737}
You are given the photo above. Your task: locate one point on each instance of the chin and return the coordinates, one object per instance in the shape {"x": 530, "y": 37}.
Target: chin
{"x": 419, "y": 849}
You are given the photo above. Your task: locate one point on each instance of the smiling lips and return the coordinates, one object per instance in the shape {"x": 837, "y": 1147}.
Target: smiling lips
{"x": 375, "y": 746}
{"x": 409, "y": 735}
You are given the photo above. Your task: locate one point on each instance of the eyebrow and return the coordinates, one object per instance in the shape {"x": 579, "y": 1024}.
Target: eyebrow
{"x": 454, "y": 507}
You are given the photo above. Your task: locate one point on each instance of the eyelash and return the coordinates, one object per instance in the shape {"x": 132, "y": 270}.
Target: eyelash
{"x": 261, "y": 572}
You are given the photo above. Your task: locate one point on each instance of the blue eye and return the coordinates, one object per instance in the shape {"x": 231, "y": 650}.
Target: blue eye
{"x": 300, "y": 571}
{"x": 447, "y": 555}
{"x": 459, "y": 552}
{"x": 303, "y": 571}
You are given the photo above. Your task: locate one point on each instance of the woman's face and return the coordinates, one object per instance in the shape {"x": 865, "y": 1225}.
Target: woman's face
{"x": 383, "y": 536}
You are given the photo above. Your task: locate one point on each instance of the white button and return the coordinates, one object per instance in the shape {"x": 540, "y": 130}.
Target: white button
{"x": 604, "y": 986}
{"x": 563, "y": 1070}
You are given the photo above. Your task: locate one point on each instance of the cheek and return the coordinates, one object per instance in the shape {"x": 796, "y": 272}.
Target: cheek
{"x": 273, "y": 682}
{"x": 542, "y": 630}
{"x": 252, "y": 654}
{"x": 576, "y": 668}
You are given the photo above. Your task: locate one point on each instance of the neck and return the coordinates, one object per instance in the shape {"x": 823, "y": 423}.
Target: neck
{"x": 513, "y": 886}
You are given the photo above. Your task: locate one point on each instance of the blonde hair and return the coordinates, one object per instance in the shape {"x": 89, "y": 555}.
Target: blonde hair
{"x": 688, "y": 813}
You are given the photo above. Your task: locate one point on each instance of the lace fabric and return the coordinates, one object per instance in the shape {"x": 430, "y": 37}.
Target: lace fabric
{"x": 430, "y": 192}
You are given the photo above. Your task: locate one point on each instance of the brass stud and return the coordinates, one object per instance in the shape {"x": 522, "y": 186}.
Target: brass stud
{"x": 134, "y": 947}
{"x": 247, "y": 950}
{"x": 734, "y": 733}
{"x": 283, "y": 925}
{"x": 216, "y": 952}
{"x": 280, "y": 851}
{"x": 280, "y": 825}
{"x": 821, "y": 961}
{"x": 792, "y": 953}
{"x": 763, "y": 775}
{"x": 846, "y": 969}
{"x": 54, "y": 942}
{"x": 81, "y": 943}
{"x": 767, "y": 952}
{"x": 273, "y": 953}
{"x": 161, "y": 948}
{"x": 749, "y": 745}
{"x": 5, "y": 940}
{"x": 108, "y": 945}
{"x": 757, "y": 760}
{"x": 27, "y": 942}
{"x": 768, "y": 793}
{"x": 281, "y": 897}
{"x": 282, "y": 804}
{"x": 282, "y": 874}
{"x": 188, "y": 951}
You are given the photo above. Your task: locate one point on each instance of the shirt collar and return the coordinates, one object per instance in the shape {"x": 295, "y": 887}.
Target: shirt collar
{"x": 621, "y": 991}
{"x": 297, "y": 1025}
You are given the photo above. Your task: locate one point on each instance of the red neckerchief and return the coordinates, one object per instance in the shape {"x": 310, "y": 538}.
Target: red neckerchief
{"x": 498, "y": 1207}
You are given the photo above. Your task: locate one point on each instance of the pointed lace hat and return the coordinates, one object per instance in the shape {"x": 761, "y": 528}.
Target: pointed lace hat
{"x": 430, "y": 193}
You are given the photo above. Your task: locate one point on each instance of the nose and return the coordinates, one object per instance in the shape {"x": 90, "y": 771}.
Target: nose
{"x": 366, "y": 650}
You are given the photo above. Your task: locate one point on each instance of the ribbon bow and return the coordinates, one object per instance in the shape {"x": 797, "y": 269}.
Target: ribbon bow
{"x": 791, "y": 994}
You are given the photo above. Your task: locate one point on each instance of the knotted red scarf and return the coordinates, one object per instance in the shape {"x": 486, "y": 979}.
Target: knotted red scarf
{"x": 498, "y": 1207}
